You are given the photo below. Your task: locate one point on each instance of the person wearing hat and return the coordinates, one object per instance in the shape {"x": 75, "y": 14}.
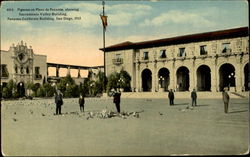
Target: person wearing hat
{"x": 58, "y": 101}
{"x": 117, "y": 100}
{"x": 81, "y": 102}
{"x": 194, "y": 97}
{"x": 226, "y": 99}
{"x": 171, "y": 97}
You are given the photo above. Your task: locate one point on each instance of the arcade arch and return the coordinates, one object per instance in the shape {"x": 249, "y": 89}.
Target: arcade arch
{"x": 226, "y": 76}
{"x": 182, "y": 75}
{"x": 146, "y": 77}
{"x": 203, "y": 78}
{"x": 164, "y": 79}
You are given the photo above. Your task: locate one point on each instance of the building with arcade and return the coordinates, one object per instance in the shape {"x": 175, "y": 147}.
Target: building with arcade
{"x": 206, "y": 61}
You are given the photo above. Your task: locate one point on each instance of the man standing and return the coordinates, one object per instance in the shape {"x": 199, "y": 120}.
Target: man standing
{"x": 226, "y": 98}
{"x": 171, "y": 97}
{"x": 117, "y": 99}
{"x": 58, "y": 101}
{"x": 81, "y": 102}
{"x": 194, "y": 97}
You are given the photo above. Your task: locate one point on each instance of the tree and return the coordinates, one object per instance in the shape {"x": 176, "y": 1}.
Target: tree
{"x": 6, "y": 93}
{"x": 68, "y": 87}
{"x": 113, "y": 81}
{"x": 125, "y": 79}
{"x": 48, "y": 89}
{"x": 101, "y": 83}
{"x": 41, "y": 92}
{"x": 119, "y": 80}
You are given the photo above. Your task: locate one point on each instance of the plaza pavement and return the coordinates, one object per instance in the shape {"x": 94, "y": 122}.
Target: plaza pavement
{"x": 30, "y": 128}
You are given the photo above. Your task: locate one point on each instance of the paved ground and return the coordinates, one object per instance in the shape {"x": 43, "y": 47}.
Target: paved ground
{"x": 30, "y": 128}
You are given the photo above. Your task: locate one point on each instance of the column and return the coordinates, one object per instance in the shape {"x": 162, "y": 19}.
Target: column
{"x": 173, "y": 77}
{"x": 154, "y": 78}
{"x": 139, "y": 78}
{"x": 79, "y": 74}
{"x": 238, "y": 75}
{"x": 214, "y": 77}
{"x": 57, "y": 71}
{"x": 136, "y": 80}
{"x": 68, "y": 71}
{"x": 47, "y": 71}
{"x": 192, "y": 77}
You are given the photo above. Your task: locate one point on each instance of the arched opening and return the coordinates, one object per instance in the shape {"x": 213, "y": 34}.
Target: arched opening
{"x": 203, "y": 78}
{"x": 146, "y": 80}
{"x": 163, "y": 77}
{"x": 227, "y": 76}
{"x": 182, "y": 79}
{"x": 246, "y": 76}
{"x": 21, "y": 89}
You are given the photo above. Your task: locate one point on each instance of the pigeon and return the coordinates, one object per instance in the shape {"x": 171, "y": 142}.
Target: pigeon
{"x": 14, "y": 119}
{"x": 160, "y": 113}
{"x": 43, "y": 114}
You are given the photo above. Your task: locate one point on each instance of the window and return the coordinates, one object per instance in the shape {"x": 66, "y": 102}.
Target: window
{"x": 4, "y": 71}
{"x": 16, "y": 70}
{"x": 118, "y": 57}
{"x": 37, "y": 70}
{"x": 203, "y": 50}
{"x": 182, "y": 52}
{"x": 145, "y": 55}
{"x": 21, "y": 70}
{"x": 226, "y": 47}
{"x": 163, "y": 54}
{"x": 27, "y": 70}
{"x": 37, "y": 73}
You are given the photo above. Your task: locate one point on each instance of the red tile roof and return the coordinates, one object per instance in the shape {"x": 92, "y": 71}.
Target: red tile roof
{"x": 222, "y": 34}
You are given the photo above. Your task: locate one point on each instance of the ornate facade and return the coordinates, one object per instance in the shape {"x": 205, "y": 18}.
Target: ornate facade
{"x": 207, "y": 62}
{"x": 21, "y": 65}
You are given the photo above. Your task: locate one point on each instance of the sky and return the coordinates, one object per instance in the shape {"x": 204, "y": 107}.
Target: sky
{"x": 77, "y": 42}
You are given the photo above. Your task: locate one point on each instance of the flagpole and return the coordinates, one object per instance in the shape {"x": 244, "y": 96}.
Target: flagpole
{"x": 103, "y": 12}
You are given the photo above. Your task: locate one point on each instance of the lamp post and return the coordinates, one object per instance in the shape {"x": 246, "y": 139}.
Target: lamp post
{"x": 230, "y": 77}
{"x": 161, "y": 79}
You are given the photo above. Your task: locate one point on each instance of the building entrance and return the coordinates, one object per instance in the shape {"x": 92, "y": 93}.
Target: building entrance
{"x": 163, "y": 77}
{"x": 227, "y": 76}
{"x": 203, "y": 78}
{"x": 182, "y": 79}
{"x": 20, "y": 89}
{"x": 146, "y": 80}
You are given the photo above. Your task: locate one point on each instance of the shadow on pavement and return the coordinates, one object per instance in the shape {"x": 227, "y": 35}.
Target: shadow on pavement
{"x": 238, "y": 111}
{"x": 182, "y": 104}
{"x": 240, "y": 103}
{"x": 201, "y": 105}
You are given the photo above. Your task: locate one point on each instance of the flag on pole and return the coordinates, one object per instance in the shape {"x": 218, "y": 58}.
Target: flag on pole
{"x": 104, "y": 21}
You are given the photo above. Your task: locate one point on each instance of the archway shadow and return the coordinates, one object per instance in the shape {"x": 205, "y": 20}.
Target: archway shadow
{"x": 238, "y": 111}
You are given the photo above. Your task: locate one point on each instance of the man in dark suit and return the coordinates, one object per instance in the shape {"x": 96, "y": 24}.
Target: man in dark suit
{"x": 58, "y": 101}
{"x": 81, "y": 102}
{"x": 225, "y": 98}
{"x": 117, "y": 100}
{"x": 171, "y": 97}
{"x": 194, "y": 97}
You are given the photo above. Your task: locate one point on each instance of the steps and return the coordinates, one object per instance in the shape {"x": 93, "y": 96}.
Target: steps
{"x": 184, "y": 95}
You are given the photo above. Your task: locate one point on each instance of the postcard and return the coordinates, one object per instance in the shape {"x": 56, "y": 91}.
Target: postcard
{"x": 115, "y": 78}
